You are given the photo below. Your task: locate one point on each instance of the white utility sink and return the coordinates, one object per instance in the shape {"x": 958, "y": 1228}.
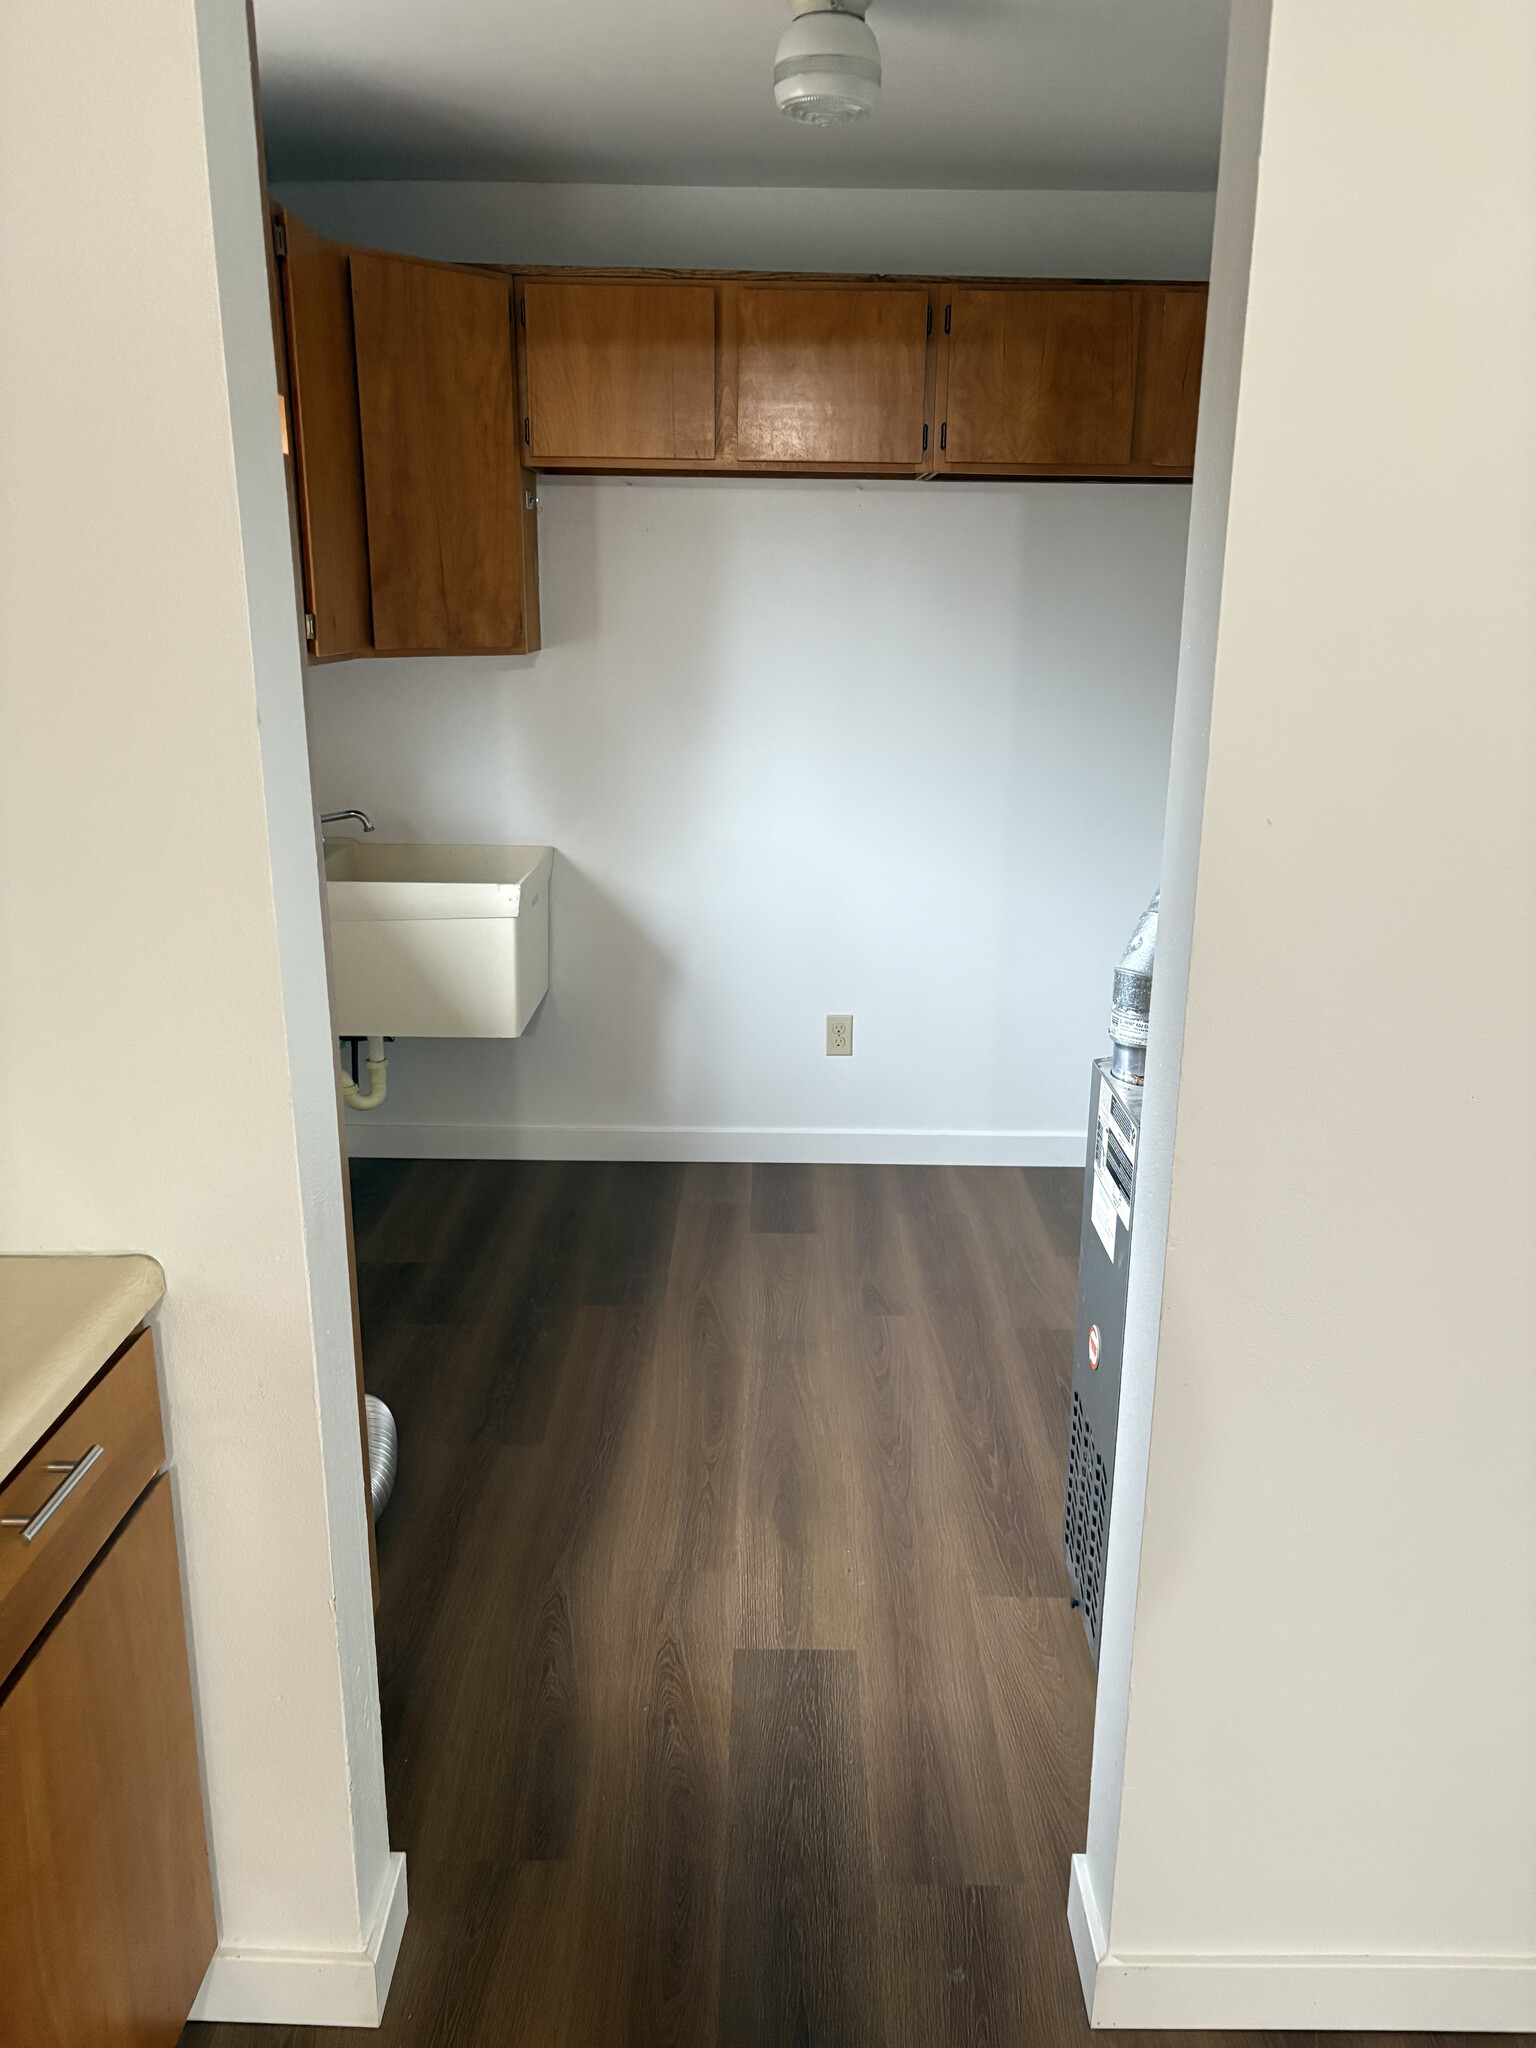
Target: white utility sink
{"x": 437, "y": 941}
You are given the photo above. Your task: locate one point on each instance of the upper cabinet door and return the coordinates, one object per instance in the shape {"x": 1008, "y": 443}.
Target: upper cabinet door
{"x": 444, "y": 483}
{"x": 1040, "y": 377}
{"x": 618, "y": 373}
{"x": 327, "y": 440}
{"x": 1168, "y": 379}
{"x": 831, "y": 375}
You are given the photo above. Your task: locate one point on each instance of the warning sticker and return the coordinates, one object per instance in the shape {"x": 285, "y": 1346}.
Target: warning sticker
{"x": 1114, "y": 1168}
{"x": 1103, "y": 1215}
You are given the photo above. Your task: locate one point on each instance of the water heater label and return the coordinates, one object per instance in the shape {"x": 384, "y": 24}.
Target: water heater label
{"x": 1103, "y": 1214}
{"x": 1114, "y": 1168}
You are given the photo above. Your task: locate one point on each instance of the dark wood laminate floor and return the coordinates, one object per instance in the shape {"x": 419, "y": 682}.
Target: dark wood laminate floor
{"x": 731, "y": 1692}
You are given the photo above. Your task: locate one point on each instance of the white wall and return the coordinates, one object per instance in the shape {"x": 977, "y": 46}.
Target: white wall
{"x": 1327, "y": 1807}
{"x": 165, "y": 1077}
{"x": 802, "y": 747}
{"x": 1242, "y": 121}
{"x": 1004, "y": 234}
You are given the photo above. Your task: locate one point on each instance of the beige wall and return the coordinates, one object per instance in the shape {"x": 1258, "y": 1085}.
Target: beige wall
{"x": 1315, "y": 1787}
{"x": 165, "y": 1067}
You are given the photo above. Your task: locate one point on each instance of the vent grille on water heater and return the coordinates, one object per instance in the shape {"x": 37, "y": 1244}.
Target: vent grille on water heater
{"x": 1086, "y": 1529}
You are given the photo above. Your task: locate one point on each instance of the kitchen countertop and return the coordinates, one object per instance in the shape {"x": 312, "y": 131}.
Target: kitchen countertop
{"x": 61, "y": 1319}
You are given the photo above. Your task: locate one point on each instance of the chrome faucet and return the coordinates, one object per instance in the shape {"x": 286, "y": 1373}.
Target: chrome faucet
{"x": 335, "y": 818}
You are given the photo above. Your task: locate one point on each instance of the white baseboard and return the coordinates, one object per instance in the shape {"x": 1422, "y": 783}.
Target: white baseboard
{"x": 305, "y": 1988}
{"x": 1087, "y": 1926}
{"x": 1396, "y": 1994}
{"x": 368, "y": 1139}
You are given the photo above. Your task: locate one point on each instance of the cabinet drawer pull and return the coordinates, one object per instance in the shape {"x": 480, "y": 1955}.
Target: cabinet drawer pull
{"x": 33, "y": 1527}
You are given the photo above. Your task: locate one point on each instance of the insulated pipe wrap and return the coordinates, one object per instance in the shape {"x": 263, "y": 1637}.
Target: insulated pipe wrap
{"x": 1131, "y": 996}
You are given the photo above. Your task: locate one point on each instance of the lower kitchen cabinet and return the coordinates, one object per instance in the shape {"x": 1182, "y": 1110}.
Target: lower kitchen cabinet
{"x": 106, "y": 1906}
{"x": 106, "y": 1903}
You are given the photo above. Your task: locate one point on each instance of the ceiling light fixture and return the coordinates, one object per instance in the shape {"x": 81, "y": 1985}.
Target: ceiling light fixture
{"x": 828, "y": 66}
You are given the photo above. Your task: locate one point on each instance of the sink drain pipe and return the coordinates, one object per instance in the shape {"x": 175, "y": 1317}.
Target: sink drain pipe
{"x": 378, "y": 1080}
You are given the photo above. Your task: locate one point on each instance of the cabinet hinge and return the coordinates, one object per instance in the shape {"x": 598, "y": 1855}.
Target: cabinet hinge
{"x": 279, "y": 239}
{"x": 930, "y": 319}
{"x": 925, "y": 437}
{"x": 944, "y": 434}
{"x": 527, "y": 439}
{"x": 309, "y": 626}
{"x": 946, "y": 319}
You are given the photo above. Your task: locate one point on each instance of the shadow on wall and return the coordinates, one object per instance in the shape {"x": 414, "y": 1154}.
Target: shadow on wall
{"x": 570, "y": 589}
{"x": 593, "y": 941}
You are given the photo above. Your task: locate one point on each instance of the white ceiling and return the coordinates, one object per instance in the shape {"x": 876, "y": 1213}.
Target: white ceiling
{"x": 1006, "y": 94}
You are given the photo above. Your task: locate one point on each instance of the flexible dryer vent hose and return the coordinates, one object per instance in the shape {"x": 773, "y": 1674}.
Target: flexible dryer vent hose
{"x": 383, "y": 1453}
{"x": 378, "y": 1080}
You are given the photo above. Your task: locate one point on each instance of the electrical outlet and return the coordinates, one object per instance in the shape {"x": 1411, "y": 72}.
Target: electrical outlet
{"x": 839, "y": 1037}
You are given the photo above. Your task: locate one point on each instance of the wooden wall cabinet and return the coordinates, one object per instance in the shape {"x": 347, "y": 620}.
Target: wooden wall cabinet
{"x": 1069, "y": 380}
{"x": 824, "y": 376}
{"x": 417, "y": 520}
{"x": 1038, "y": 378}
{"x": 106, "y": 1904}
{"x": 1168, "y": 390}
{"x": 723, "y": 374}
{"x": 736, "y": 375}
{"x": 827, "y": 376}
{"x": 617, "y": 372}
{"x": 451, "y": 548}
{"x": 327, "y": 438}
{"x": 423, "y": 394}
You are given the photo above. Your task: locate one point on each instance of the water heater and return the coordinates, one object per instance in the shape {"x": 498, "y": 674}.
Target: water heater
{"x": 1104, "y": 1261}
